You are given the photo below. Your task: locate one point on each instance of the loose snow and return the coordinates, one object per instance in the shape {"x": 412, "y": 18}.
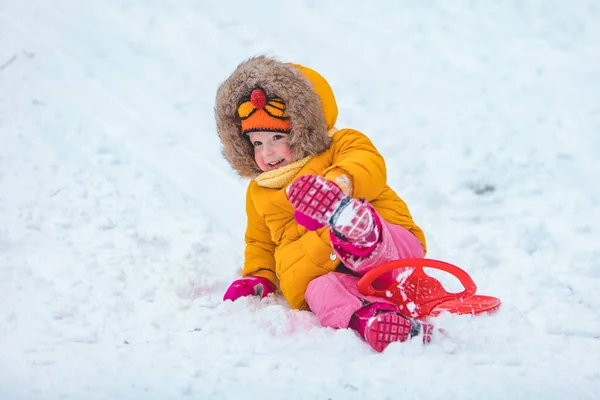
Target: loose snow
{"x": 121, "y": 225}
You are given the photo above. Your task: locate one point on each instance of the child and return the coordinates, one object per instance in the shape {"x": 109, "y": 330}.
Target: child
{"x": 320, "y": 213}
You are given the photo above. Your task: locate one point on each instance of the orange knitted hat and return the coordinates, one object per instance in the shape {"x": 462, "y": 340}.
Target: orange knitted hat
{"x": 261, "y": 113}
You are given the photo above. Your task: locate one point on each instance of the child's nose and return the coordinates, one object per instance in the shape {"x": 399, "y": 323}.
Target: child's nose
{"x": 269, "y": 149}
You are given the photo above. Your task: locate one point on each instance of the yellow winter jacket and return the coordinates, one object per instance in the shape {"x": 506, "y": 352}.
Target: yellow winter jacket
{"x": 284, "y": 252}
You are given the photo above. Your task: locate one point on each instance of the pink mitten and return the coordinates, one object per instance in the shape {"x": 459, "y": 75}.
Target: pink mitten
{"x": 249, "y": 286}
{"x": 308, "y": 222}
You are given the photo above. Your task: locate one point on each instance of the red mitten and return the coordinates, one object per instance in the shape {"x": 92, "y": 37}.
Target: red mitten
{"x": 308, "y": 222}
{"x": 249, "y": 286}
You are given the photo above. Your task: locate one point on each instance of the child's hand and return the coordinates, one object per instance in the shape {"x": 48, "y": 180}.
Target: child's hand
{"x": 249, "y": 286}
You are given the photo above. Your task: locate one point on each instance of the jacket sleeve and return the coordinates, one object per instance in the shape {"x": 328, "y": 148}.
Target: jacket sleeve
{"x": 259, "y": 259}
{"x": 355, "y": 154}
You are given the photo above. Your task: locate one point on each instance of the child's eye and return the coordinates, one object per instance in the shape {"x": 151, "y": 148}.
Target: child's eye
{"x": 277, "y": 137}
{"x": 256, "y": 143}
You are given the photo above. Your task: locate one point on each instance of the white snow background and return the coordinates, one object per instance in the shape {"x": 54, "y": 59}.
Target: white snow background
{"x": 121, "y": 225}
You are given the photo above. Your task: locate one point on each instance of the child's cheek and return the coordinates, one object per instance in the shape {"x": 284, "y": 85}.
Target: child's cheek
{"x": 285, "y": 152}
{"x": 258, "y": 158}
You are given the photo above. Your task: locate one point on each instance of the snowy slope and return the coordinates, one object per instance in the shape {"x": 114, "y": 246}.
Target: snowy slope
{"x": 121, "y": 225}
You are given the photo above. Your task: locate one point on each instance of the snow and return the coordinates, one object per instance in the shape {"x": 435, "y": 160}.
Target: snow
{"x": 121, "y": 225}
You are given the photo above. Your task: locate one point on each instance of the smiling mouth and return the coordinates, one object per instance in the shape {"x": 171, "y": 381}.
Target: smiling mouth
{"x": 276, "y": 163}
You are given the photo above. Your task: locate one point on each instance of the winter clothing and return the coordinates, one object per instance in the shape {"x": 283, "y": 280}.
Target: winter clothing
{"x": 350, "y": 220}
{"x": 261, "y": 113}
{"x": 280, "y": 249}
{"x": 249, "y": 286}
{"x": 395, "y": 243}
{"x": 281, "y": 177}
{"x": 357, "y": 235}
{"x": 277, "y": 247}
{"x": 310, "y": 196}
{"x": 360, "y": 318}
{"x": 334, "y": 297}
{"x": 380, "y": 326}
{"x": 278, "y": 178}
{"x": 312, "y": 116}
{"x": 307, "y": 222}
{"x": 343, "y": 181}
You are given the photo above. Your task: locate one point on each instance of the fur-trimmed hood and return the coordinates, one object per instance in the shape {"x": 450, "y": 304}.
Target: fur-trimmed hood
{"x": 309, "y": 101}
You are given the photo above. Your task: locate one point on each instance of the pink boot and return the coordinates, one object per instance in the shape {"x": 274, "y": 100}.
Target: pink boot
{"x": 380, "y": 324}
{"x": 350, "y": 220}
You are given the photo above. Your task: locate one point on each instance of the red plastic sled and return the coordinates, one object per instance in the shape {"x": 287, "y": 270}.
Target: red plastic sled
{"x": 420, "y": 295}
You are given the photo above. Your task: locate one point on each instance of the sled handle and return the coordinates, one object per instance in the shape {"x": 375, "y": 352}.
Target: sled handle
{"x": 366, "y": 282}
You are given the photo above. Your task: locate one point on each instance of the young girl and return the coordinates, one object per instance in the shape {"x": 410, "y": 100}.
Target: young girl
{"x": 320, "y": 213}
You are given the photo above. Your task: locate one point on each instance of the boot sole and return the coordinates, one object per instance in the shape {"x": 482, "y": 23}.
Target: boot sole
{"x": 386, "y": 328}
{"x": 315, "y": 196}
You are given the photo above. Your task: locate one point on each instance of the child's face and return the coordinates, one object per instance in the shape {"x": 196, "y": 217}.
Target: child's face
{"x": 271, "y": 150}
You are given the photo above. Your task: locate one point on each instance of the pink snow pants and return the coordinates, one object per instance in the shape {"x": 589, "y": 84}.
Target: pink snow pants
{"x": 334, "y": 297}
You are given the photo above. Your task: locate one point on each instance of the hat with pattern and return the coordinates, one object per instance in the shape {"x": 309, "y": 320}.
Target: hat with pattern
{"x": 258, "y": 112}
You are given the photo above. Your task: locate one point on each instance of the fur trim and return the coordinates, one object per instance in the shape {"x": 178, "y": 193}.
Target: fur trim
{"x": 308, "y": 136}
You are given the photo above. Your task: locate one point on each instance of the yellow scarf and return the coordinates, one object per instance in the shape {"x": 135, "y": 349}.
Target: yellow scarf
{"x": 281, "y": 177}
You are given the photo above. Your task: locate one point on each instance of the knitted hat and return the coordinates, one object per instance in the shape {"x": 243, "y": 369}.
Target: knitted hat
{"x": 258, "y": 112}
